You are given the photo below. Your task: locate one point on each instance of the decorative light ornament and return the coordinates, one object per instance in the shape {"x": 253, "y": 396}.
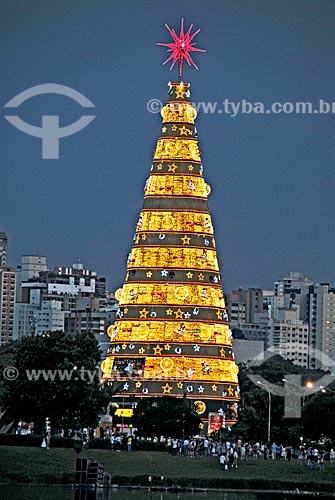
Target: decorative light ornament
{"x": 181, "y": 47}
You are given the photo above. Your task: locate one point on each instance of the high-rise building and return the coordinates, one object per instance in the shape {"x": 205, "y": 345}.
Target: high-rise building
{"x": 244, "y": 305}
{"x": 3, "y": 249}
{"x": 50, "y": 318}
{"x": 290, "y": 338}
{"x": 322, "y": 327}
{"x": 45, "y": 293}
{"x": 25, "y": 320}
{"x": 171, "y": 335}
{"x": 293, "y": 280}
{"x": 32, "y": 266}
{"x": 7, "y": 304}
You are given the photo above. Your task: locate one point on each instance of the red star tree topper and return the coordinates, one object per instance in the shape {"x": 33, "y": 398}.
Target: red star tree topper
{"x": 181, "y": 47}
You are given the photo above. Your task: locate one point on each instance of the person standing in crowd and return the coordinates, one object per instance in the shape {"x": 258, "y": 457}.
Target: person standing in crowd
{"x": 129, "y": 443}
{"x": 222, "y": 460}
{"x": 235, "y": 456}
{"x": 321, "y": 462}
{"x": 206, "y": 443}
{"x": 278, "y": 452}
{"x": 174, "y": 447}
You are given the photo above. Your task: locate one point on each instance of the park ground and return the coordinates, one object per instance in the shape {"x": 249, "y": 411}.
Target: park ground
{"x": 57, "y": 466}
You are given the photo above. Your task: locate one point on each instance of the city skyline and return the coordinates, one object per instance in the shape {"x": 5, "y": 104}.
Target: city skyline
{"x": 272, "y": 175}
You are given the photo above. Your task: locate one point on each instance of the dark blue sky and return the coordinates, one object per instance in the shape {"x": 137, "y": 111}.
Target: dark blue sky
{"x": 272, "y": 176}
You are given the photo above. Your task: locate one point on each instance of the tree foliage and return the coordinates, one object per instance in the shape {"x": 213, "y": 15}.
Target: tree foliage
{"x": 166, "y": 416}
{"x": 318, "y": 416}
{"x": 72, "y": 402}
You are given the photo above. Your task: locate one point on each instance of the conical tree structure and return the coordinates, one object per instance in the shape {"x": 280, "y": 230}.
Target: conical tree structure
{"x": 171, "y": 335}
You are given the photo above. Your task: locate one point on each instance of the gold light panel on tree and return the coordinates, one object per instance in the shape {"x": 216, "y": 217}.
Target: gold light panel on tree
{"x": 165, "y": 331}
{"x": 182, "y": 221}
{"x": 190, "y": 369}
{"x": 178, "y": 112}
{"x": 177, "y": 149}
{"x": 171, "y": 293}
{"x": 178, "y": 258}
{"x": 171, "y": 334}
{"x": 176, "y": 185}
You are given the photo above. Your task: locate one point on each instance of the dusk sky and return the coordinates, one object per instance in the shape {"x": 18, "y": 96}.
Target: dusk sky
{"x": 272, "y": 175}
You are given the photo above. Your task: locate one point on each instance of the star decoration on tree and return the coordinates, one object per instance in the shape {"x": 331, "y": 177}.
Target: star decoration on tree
{"x": 141, "y": 350}
{"x": 138, "y": 384}
{"x": 144, "y": 313}
{"x": 180, "y": 385}
{"x": 180, "y": 93}
{"x": 179, "y": 314}
{"x": 149, "y": 274}
{"x": 214, "y": 388}
{"x": 230, "y": 391}
{"x": 186, "y": 240}
{"x": 181, "y": 47}
{"x": 166, "y": 388}
{"x": 183, "y": 130}
{"x": 172, "y": 167}
{"x": 158, "y": 350}
{"x": 189, "y": 275}
{"x": 169, "y": 312}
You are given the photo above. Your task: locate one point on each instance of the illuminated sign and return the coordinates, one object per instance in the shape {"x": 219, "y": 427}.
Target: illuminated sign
{"x": 215, "y": 422}
{"x": 124, "y": 412}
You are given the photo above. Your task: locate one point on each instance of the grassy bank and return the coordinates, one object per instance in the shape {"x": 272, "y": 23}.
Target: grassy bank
{"x": 36, "y": 465}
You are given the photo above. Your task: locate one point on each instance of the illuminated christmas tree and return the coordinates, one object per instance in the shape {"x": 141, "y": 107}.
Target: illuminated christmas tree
{"x": 171, "y": 335}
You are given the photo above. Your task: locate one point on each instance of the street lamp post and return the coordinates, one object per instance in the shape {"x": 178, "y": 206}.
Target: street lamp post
{"x": 326, "y": 389}
{"x": 269, "y": 415}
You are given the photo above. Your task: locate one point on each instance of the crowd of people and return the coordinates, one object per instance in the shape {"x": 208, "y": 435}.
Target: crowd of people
{"x": 229, "y": 452}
